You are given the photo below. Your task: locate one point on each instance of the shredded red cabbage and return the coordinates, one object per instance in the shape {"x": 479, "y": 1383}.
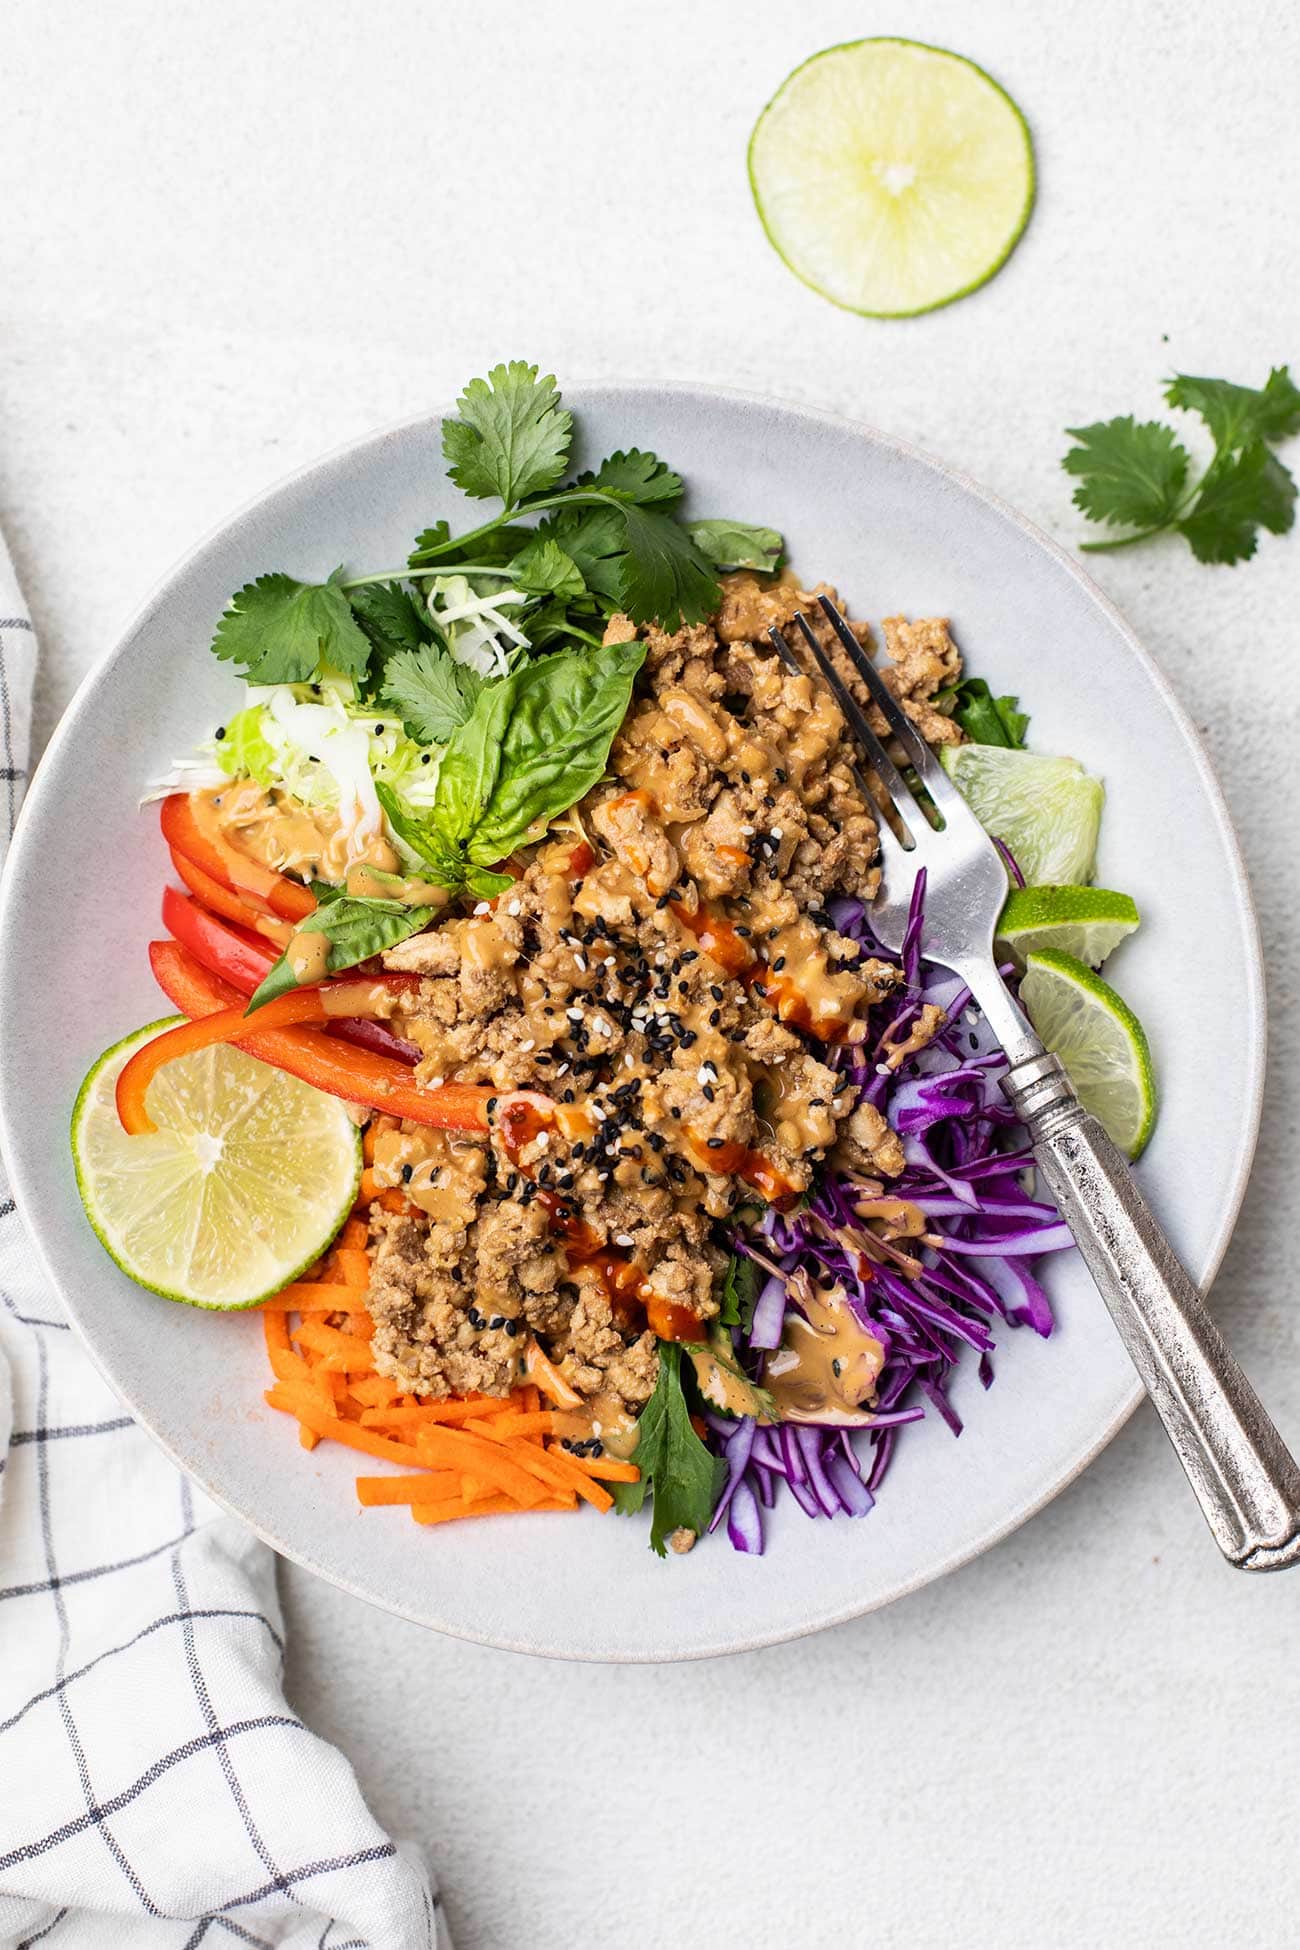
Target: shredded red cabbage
{"x": 965, "y": 1170}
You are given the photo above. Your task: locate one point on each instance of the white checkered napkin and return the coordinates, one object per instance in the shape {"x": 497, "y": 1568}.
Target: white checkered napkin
{"x": 155, "y": 1788}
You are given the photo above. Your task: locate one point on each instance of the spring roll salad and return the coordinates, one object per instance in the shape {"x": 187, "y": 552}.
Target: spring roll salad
{"x": 536, "y": 1072}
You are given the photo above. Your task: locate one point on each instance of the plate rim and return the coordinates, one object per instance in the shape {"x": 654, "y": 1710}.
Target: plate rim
{"x": 1254, "y": 1042}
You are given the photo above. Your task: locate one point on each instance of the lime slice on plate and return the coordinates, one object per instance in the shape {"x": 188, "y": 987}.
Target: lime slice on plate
{"x": 246, "y": 1180}
{"x": 1086, "y": 922}
{"x": 1046, "y": 810}
{"x": 1099, "y": 1040}
{"x": 892, "y": 177}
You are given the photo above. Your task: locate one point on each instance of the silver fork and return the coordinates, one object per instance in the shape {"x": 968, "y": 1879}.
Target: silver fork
{"x": 1245, "y": 1478}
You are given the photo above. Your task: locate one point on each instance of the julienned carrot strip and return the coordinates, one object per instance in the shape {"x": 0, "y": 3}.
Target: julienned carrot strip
{"x": 338, "y": 1351}
{"x": 606, "y": 1469}
{"x": 472, "y": 1455}
{"x": 354, "y": 1233}
{"x": 352, "y": 1264}
{"x": 553, "y": 1466}
{"x": 307, "y": 1408}
{"x": 493, "y": 1506}
{"x": 361, "y": 1327}
{"x": 504, "y": 1428}
{"x": 418, "y": 1415}
{"x": 374, "y": 1390}
{"x": 528, "y": 1398}
{"x": 392, "y": 1201}
{"x": 317, "y": 1296}
{"x": 425, "y": 1488}
{"x": 548, "y": 1378}
{"x": 307, "y": 1437}
{"x": 368, "y": 1144}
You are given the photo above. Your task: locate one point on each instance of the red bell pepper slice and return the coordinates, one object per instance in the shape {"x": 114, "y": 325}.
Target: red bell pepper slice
{"x": 223, "y": 900}
{"x": 273, "y": 891}
{"x": 342, "y": 1070}
{"x": 237, "y": 957}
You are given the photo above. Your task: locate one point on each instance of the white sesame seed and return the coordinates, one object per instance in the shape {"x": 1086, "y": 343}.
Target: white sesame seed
{"x": 484, "y": 907}
{"x": 580, "y": 964}
{"x": 776, "y": 832}
{"x": 574, "y": 1015}
{"x": 563, "y": 1070}
{"x": 432, "y": 1083}
{"x": 628, "y": 1058}
{"x": 599, "y": 1114}
{"x": 514, "y": 907}
{"x": 611, "y": 961}
{"x": 882, "y": 1069}
{"x": 704, "y": 1074}
{"x": 529, "y": 1042}
{"x": 623, "y": 1239}
{"x": 748, "y": 831}
{"x": 660, "y": 958}
{"x": 543, "y": 1140}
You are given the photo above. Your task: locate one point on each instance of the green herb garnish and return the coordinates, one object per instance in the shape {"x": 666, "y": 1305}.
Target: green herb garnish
{"x": 683, "y": 1474}
{"x": 1133, "y": 474}
{"x": 986, "y": 720}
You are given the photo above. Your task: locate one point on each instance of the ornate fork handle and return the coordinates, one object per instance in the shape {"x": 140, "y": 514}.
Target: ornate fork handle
{"x": 1244, "y": 1476}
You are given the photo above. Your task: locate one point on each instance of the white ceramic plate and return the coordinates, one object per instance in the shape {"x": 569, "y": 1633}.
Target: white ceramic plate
{"x": 896, "y": 532}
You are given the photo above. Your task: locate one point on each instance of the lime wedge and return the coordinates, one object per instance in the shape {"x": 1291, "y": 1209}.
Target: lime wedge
{"x": 246, "y": 1180}
{"x": 1086, "y": 922}
{"x": 1046, "y": 810}
{"x": 1099, "y": 1040}
{"x": 892, "y": 177}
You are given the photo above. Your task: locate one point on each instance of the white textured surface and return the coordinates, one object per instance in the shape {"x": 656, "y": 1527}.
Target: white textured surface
{"x": 239, "y": 235}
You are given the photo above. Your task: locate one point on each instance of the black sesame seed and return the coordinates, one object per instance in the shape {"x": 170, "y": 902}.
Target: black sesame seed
{"x": 715, "y": 1144}
{"x": 425, "y": 757}
{"x": 221, "y": 731}
{"x": 715, "y": 1017}
{"x": 778, "y": 964}
{"x": 491, "y": 1105}
{"x": 708, "y": 1093}
{"x": 406, "y": 1173}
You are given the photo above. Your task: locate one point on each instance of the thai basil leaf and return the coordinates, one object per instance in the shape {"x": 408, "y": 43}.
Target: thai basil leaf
{"x": 355, "y": 928}
{"x": 736, "y": 545}
{"x": 563, "y": 713}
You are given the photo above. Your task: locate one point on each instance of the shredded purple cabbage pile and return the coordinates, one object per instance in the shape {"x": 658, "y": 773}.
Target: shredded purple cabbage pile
{"x": 965, "y": 1170}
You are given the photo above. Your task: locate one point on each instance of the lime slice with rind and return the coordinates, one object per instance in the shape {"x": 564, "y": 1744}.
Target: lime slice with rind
{"x": 1086, "y": 922}
{"x": 1099, "y": 1040}
{"x": 1047, "y": 811}
{"x": 244, "y": 1183}
{"x": 892, "y": 176}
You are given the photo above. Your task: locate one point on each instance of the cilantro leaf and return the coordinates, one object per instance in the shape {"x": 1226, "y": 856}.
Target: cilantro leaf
{"x": 544, "y": 569}
{"x": 635, "y": 476}
{"x": 740, "y": 1284}
{"x": 1131, "y": 473}
{"x": 493, "y": 549}
{"x": 987, "y": 720}
{"x": 282, "y": 631}
{"x": 735, "y": 545}
{"x": 1238, "y": 415}
{"x": 512, "y": 439}
{"x": 595, "y": 540}
{"x": 430, "y": 691}
{"x": 390, "y": 616}
{"x": 355, "y": 928}
{"x": 663, "y": 578}
{"x": 1240, "y": 493}
{"x": 685, "y": 1476}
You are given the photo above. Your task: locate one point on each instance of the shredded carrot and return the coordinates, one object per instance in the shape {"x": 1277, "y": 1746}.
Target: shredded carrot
{"x": 431, "y": 1486}
{"x": 353, "y": 1264}
{"x": 606, "y": 1469}
{"x": 468, "y": 1456}
{"x": 368, "y": 1144}
{"x": 496, "y": 1506}
{"x": 548, "y": 1378}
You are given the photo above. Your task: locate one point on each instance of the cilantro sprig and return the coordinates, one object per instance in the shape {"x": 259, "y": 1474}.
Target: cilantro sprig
{"x": 1135, "y": 474}
{"x": 571, "y": 555}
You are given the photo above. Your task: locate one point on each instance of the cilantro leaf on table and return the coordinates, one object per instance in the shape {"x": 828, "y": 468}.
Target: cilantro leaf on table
{"x": 1130, "y": 473}
{"x": 1240, "y": 494}
{"x": 1134, "y": 475}
{"x": 512, "y": 437}
{"x": 683, "y": 1475}
{"x": 1238, "y": 415}
{"x": 430, "y": 691}
{"x": 282, "y": 631}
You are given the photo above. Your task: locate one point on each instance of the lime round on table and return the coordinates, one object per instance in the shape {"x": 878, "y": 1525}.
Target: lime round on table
{"x": 891, "y": 176}
{"x": 1086, "y": 922}
{"x": 245, "y": 1182}
{"x": 1047, "y": 811}
{"x": 1099, "y": 1040}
